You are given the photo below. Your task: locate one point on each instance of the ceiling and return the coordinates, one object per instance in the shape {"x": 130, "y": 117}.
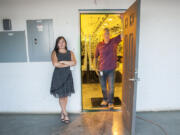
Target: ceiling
{"x": 92, "y": 25}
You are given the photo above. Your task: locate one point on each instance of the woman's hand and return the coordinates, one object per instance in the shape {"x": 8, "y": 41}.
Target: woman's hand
{"x": 70, "y": 63}
{"x": 55, "y": 61}
{"x": 62, "y": 62}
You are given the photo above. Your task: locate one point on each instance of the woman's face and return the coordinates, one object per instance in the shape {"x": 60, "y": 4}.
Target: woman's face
{"x": 61, "y": 44}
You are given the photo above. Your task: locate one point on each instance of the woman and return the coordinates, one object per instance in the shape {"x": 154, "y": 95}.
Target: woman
{"x": 62, "y": 82}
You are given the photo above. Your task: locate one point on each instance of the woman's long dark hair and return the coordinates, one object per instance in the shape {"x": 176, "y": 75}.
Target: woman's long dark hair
{"x": 57, "y": 41}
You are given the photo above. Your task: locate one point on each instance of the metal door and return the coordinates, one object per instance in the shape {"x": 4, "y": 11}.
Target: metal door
{"x": 12, "y": 46}
{"x": 131, "y": 41}
{"x": 40, "y": 39}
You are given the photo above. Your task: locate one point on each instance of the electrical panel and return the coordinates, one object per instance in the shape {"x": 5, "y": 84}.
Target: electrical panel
{"x": 40, "y": 39}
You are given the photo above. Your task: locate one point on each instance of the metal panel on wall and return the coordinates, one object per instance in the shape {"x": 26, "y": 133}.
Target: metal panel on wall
{"x": 12, "y": 46}
{"x": 40, "y": 39}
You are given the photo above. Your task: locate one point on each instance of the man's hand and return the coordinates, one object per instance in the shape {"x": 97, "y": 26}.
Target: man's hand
{"x": 121, "y": 16}
{"x": 97, "y": 71}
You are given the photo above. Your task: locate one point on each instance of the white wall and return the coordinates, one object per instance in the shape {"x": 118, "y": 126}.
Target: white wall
{"x": 24, "y": 87}
{"x": 159, "y": 55}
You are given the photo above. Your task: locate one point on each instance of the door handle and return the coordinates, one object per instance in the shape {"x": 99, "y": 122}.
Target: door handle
{"x": 134, "y": 79}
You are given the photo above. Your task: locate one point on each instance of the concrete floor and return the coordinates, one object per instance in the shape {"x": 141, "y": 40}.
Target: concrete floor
{"x": 89, "y": 123}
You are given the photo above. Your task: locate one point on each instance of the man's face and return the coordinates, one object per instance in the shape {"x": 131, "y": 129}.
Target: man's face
{"x": 106, "y": 35}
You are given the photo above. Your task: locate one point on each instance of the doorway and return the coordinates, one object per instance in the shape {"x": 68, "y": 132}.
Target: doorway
{"x": 92, "y": 27}
{"x": 131, "y": 28}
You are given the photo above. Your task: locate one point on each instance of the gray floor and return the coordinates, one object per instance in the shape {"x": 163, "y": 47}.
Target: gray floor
{"x": 170, "y": 121}
{"x": 91, "y": 123}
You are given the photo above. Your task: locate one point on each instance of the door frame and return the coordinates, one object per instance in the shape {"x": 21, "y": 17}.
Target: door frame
{"x": 136, "y": 66}
{"x": 93, "y": 11}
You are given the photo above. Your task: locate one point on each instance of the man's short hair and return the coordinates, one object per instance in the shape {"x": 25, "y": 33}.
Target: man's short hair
{"x": 106, "y": 30}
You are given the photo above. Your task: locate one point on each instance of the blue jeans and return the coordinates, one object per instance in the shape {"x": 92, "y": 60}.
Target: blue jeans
{"x": 104, "y": 76}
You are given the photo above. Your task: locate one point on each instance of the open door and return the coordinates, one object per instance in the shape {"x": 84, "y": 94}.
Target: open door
{"x": 131, "y": 41}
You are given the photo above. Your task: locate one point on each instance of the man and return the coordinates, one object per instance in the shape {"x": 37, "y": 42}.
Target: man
{"x": 106, "y": 51}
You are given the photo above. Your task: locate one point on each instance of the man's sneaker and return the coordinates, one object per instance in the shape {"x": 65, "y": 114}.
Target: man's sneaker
{"x": 110, "y": 105}
{"x": 104, "y": 103}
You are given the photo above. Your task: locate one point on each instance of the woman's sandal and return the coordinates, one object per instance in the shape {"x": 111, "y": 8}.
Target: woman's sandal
{"x": 62, "y": 117}
{"x": 66, "y": 120}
